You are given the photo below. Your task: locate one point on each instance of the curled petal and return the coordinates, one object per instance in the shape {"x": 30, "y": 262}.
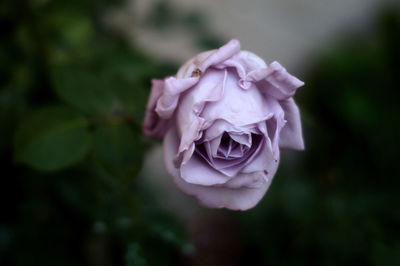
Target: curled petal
{"x": 191, "y": 134}
{"x": 207, "y": 59}
{"x": 275, "y": 123}
{"x": 153, "y": 124}
{"x": 291, "y": 136}
{"x": 244, "y": 62}
{"x": 220, "y": 55}
{"x": 237, "y": 106}
{"x": 278, "y": 83}
{"x": 187, "y": 69}
{"x": 189, "y": 123}
{"x": 168, "y": 101}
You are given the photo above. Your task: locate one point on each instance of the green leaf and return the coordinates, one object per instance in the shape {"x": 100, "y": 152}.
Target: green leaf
{"x": 119, "y": 149}
{"x": 52, "y": 138}
{"x": 83, "y": 89}
{"x": 107, "y": 90}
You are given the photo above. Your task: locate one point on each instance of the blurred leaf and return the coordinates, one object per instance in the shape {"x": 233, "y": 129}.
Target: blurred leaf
{"x": 72, "y": 34}
{"x": 76, "y": 30}
{"x": 52, "y": 138}
{"x": 119, "y": 149}
{"x": 109, "y": 90}
{"x": 82, "y": 89}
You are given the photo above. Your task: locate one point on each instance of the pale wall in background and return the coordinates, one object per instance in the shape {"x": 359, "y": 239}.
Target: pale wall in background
{"x": 285, "y": 30}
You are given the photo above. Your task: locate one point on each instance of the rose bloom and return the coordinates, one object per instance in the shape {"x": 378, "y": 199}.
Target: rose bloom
{"x": 223, "y": 118}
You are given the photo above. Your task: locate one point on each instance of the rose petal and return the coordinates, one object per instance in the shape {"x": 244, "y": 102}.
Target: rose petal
{"x": 244, "y": 139}
{"x": 233, "y": 166}
{"x": 197, "y": 171}
{"x": 153, "y": 125}
{"x": 219, "y": 126}
{"x": 278, "y": 83}
{"x": 237, "y": 106}
{"x": 236, "y": 198}
{"x": 187, "y": 69}
{"x": 214, "y": 145}
{"x": 168, "y": 101}
{"x": 244, "y": 62}
{"x": 220, "y": 55}
{"x": 291, "y": 136}
{"x": 207, "y": 59}
{"x": 209, "y": 88}
{"x": 266, "y": 161}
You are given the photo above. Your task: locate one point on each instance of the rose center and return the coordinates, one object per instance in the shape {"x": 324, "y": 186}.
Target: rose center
{"x": 232, "y": 150}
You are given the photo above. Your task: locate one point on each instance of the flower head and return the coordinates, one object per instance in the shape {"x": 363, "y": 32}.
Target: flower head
{"x": 223, "y": 118}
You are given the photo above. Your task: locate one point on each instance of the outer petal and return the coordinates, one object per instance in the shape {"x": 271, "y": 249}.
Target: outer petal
{"x": 197, "y": 171}
{"x": 278, "y": 83}
{"x": 266, "y": 162}
{"x": 237, "y": 106}
{"x": 153, "y": 125}
{"x": 187, "y": 79}
{"x": 275, "y": 123}
{"x": 187, "y": 69}
{"x": 291, "y": 136}
{"x": 244, "y": 62}
{"x": 189, "y": 123}
{"x": 234, "y": 195}
{"x": 168, "y": 101}
{"x": 206, "y": 59}
{"x": 220, "y": 55}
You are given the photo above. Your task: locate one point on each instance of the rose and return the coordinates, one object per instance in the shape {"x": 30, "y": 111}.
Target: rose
{"x": 223, "y": 118}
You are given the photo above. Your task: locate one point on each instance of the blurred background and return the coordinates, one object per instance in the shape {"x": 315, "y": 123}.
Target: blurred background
{"x": 81, "y": 185}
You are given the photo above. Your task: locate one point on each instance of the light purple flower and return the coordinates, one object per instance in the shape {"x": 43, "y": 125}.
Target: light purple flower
{"x": 223, "y": 118}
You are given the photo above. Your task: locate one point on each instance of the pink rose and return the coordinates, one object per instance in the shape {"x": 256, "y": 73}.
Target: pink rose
{"x": 223, "y": 118}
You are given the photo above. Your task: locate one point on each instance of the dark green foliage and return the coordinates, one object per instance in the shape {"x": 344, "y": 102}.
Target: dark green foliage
{"x": 118, "y": 148}
{"x": 52, "y": 138}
